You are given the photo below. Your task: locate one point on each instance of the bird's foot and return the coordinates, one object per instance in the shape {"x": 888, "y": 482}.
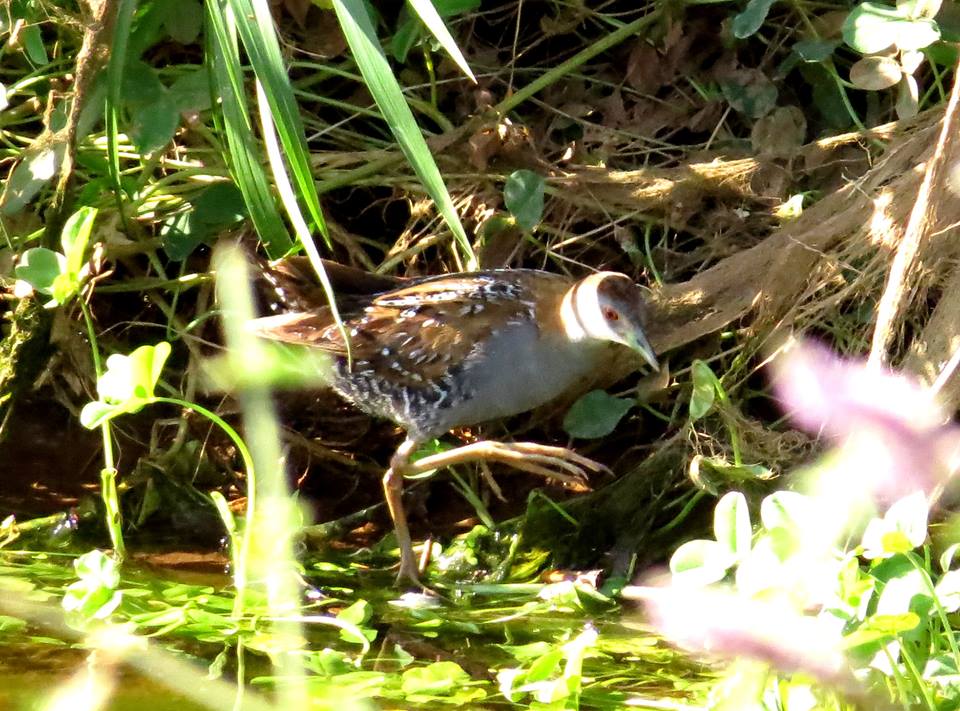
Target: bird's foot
{"x": 558, "y": 463}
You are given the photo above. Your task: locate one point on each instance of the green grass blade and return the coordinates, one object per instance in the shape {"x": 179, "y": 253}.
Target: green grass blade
{"x": 256, "y": 29}
{"x": 244, "y": 158}
{"x": 373, "y": 65}
{"x": 115, "y": 67}
{"x": 431, "y": 19}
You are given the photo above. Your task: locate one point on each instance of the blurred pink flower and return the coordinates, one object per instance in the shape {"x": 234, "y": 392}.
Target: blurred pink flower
{"x": 895, "y": 437}
{"x": 712, "y": 621}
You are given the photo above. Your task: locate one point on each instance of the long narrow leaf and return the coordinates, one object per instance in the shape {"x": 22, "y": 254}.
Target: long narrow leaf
{"x": 115, "y": 67}
{"x": 256, "y": 29}
{"x": 432, "y": 21}
{"x": 245, "y": 162}
{"x": 360, "y": 35}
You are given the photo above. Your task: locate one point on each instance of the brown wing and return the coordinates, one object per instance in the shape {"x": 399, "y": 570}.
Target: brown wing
{"x": 419, "y": 332}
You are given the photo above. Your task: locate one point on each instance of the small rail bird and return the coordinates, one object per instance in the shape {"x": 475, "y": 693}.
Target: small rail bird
{"x": 436, "y": 353}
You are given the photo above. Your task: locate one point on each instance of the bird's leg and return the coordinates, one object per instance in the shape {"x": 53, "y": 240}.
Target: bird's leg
{"x": 556, "y": 463}
{"x": 393, "y": 491}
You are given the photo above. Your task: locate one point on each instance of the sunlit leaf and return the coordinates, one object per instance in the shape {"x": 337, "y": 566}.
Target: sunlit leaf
{"x": 439, "y": 678}
{"x": 705, "y": 385}
{"x": 127, "y": 385}
{"x": 881, "y": 627}
{"x": 919, "y": 8}
{"x": 871, "y": 27}
{"x": 731, "y": 523}
{"x": 875, "y": 73}
{"x": 789, "y": 510}
{"x": 902, "y": 528}
{"x": 948, "y": 591}
{"x": 701, "y": 562}
{"x": 908, "y": 98}
{"x": 431, "y": 19}
{"x": 906, "y": 592}
{"x": 39, "y": 267}
{"x": 75, "y": 237}
{"x": 38, "y": 164}
{"x": 365, "y": 46}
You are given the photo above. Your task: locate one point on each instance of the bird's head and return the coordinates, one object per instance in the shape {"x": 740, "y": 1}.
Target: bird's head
{"x": 608, "y": 306}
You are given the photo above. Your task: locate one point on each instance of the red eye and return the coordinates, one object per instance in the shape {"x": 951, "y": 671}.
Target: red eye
{"x": 611, "y": 315}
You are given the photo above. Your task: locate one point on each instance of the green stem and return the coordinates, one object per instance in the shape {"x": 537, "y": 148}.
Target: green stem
{"x": 580, "y": 58}
{"x": 918, "y": 680}
{"x": 685, "y": 511}
{"x": 941, "y": 613}
{"x": 241, "y": 558}
{"x": 108, "y": 475}
{"x": 730, "y": 425}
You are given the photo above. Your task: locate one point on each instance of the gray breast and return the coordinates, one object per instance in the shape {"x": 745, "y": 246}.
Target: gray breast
{"x": 516, "y": 371}
{"x": 509, "y": 373}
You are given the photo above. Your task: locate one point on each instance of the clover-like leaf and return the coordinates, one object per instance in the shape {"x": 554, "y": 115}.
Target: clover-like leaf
{"x": 902, "y": 528}
{"x": 871, "y": 27}
{"x": 75, "y": 237}
{"x": 731, "y": 523}
{"x": 439, "y": 678}
{"x": 39, "y": 267}
{"x": 751, "y": 19}
{"x": 127, "y": 385}
{"x": 523, "y": 197}
{"x": 596, "y": 414}
{"x": 701, "y": 562}
{"x": 705, "y": 385}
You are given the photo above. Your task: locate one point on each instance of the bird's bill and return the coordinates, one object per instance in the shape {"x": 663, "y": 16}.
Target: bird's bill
{"x": 637, "y": 340}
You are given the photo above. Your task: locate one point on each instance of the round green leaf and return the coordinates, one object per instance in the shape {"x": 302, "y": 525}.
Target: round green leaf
{"x": 154, "y": 123}
{"x": 731, "y": 523}
{"x": 40, "y": 267}
{"x": 751, "y": 19}
{"x": 130, "y": 379}
{"x": 814, "y": 50}
{"x": 917, "y": 34}
{"x": 75, "y": 237}
{"x": 523, "y": 197}
{"x": 919, "y": 8}
{"x": 191, "y": 91}
{"x": 705, "y": 385}
{"x": 701, "y": 562}
{"x": 751, "y": 93}
{"x": 439, "y": 678}
{"x": 184, "y": 21}
{"x": 35, "y": 169}
{"x": 788, "y": 510}
{"x": 96, "y": 413}
{"x": 871, "y": 27}
{"x": 596, "y": 414}
{"x": 220, "y": 204}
